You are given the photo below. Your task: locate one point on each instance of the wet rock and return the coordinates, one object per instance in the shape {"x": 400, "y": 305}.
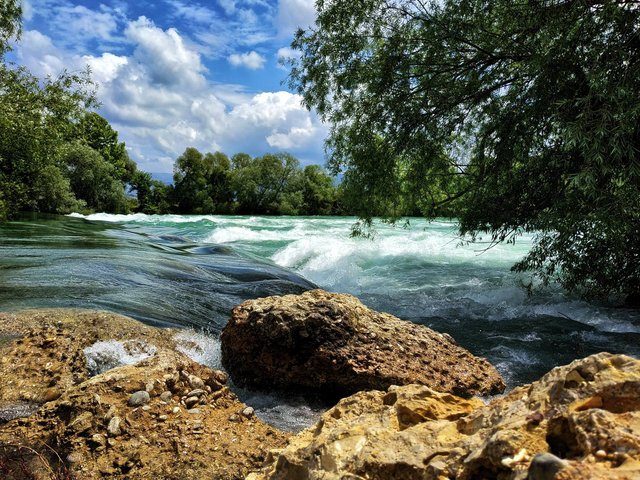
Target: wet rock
{"x": 139, "y": 398}
{"x": 413, "y": 432}
{"x": 331, "y": 342}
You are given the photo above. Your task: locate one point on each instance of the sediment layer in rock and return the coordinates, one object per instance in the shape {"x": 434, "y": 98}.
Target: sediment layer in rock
{"x": 580, "y": 421}
{"x": 334, "y": 344}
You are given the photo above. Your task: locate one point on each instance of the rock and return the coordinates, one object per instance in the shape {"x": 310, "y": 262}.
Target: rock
{"x": 113, "y": 428}
{"x": 414, "y": 432}
{"x": 248, "y": 412}
{"x": 198, "y": 392}
{"x": 166, "y": 396}
{"x": 139, "y": 398}
{"x": 544, "y": 466}
{"x": 191, "y": 402}
{"x": 91, "y": 423}
{"x": 331, "y": 342}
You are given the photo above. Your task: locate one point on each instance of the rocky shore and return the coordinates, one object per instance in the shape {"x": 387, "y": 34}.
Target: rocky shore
{"x": 91, "y": 395}
{"x": 163, "y": 417}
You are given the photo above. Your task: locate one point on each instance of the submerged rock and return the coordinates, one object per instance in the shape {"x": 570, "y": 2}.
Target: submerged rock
{"x": 578, "y": 421}
{"x": 121, "y": 423}
{"x": 332, "y": 343}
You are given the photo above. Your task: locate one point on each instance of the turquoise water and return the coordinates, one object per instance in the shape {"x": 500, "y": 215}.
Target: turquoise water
{"x": 191, "y": 270}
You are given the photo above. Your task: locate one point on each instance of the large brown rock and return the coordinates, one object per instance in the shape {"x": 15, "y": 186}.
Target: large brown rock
{"x": 332, "y": 343}
{"x": 165, "y": 416}
{"x": 580, "y": 421}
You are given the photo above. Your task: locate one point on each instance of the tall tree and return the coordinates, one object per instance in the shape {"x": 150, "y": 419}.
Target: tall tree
{"x": 96, "y": 131}
{"x": 525, "y": 113}
{"x": 10, "y": 23}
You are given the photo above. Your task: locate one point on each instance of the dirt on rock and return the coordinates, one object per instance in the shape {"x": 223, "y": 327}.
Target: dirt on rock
{"x": 165, "y": 416}
{"x": 579, "y": 421}
{"x": 333, "y": 344}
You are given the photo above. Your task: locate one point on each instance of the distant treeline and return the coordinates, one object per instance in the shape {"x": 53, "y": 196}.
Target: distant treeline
{"x": 213, "y": 183}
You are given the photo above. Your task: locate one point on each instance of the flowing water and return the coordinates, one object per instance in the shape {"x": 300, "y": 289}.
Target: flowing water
{"x": 190, "y": 271}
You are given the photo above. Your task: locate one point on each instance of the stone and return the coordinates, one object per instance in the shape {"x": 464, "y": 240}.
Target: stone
{"x": 191, "y": 401}
{"x": 113, "y": 428}
{"x": 248, "y": 412}
{"x": 198, "y": 392}
{"x": 166, "y": 396}
{"x": 545, "y": 466}
{"x": 139, "y": 398}
{"x": 413, "y": 431}
{"x": 330, "y": 342}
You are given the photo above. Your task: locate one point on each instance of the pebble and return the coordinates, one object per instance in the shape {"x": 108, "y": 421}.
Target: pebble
{"x": 544, "y": 466}
{"x": 196, "y": 382}
{"x": 146, "y": 408}
{"x": 248, "y": 412}
{"x": 175, "y": 409}
{"x": 194, "y": 411}
{"x": 601, "y": 454}
{"x": 191, "y": 401}
{"x": 198, "y": 392}
{"x": 166, "y": 396}
{"x": 114, "y": 427}
{"x": 110, "y": 413}
{"x": 139, "y": 398}
{"x": 162, "y": 418}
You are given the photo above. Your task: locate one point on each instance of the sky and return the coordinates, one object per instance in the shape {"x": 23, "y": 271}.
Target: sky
{"x": 172, "y": 74}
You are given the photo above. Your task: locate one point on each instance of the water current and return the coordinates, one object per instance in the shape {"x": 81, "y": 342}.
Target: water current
{"x": 189, "y": 271}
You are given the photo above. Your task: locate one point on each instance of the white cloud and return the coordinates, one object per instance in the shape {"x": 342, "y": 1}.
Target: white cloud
{"x": 158, "y": 97}
{"x": 164, "y": 55}
{"x": 294, "y": 14}
{"x": 251, "y": 60}
{"x": 38, "y": 53}
{"x": 105, "y": 68}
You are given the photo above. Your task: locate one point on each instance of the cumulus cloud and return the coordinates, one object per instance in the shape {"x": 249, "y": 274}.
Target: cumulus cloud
{"x": 294, "y": 14}
{"x": 251, "y": 60}
{"x": 158, "y": 97}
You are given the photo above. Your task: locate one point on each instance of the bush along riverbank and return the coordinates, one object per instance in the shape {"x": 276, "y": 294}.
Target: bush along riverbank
{"x": 90, "y": 395}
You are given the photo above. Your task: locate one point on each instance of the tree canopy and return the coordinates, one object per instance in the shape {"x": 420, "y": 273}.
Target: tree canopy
{"x": 524, "y": 116}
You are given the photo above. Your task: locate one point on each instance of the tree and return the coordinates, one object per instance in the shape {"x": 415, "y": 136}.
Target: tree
{"x": 93, "y": 179}
{"x": 261, "y": 184}
{"x": 37, "y": 118}
{"x": 190, "y": 183}
{"x": 523, "y": 114}
{"x": 318, "y": 192}
{"x": 153, "y": 195}
{"x": 96, "y": 131}
{"x": 10, "y": 26}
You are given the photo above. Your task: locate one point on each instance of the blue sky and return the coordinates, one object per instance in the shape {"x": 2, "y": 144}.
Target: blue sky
{"x": 174, "y": 73}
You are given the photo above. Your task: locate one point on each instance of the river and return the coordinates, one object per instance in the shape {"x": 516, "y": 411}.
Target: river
{"x": 189, "y": 271}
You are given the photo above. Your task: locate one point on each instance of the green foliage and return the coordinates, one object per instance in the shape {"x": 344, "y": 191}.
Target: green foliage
{"x": 36, "y": 119}
{"x": 99, "y": 135}
{"x": 516, "y": 116}
{"x": 153, "y": 196}
{"x": 93, "y": 179}
{"x": 272, "y": 184}
{"x": 10, "y": 26}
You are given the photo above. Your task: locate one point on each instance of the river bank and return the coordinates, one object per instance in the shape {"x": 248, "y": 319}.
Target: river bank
{"x": 93, "y": 395}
